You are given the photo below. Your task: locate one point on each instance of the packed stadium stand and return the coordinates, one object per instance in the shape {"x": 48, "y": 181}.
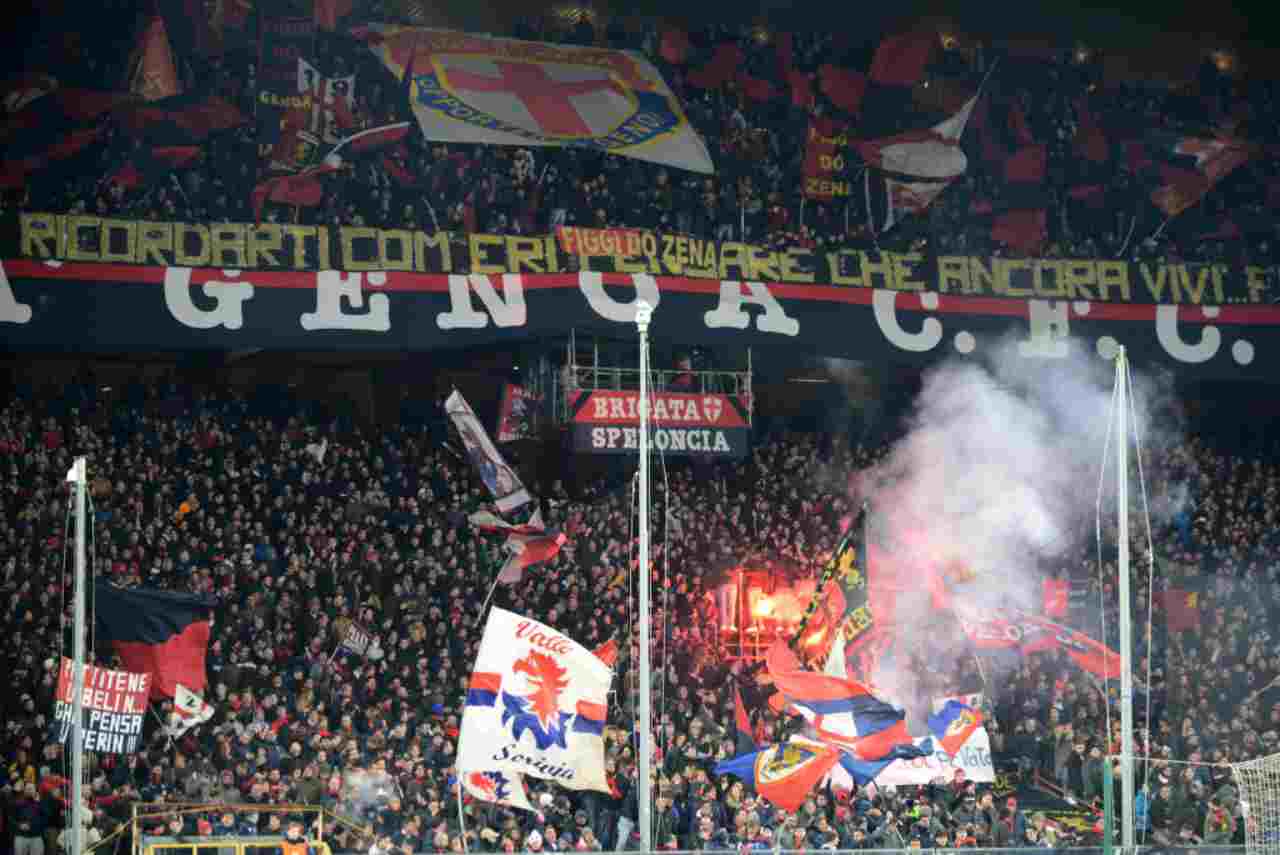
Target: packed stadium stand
{"x": 290, "y": 545}
{"x": 301, "y": 521}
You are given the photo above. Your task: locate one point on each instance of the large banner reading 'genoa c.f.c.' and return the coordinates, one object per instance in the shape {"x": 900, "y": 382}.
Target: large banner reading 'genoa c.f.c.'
{"x": 93, "y": 284}
{"x": 93, "y": 307}
{"x": 607, "y": 421}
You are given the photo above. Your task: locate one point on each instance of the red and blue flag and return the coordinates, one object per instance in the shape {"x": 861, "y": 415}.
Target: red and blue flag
{"x": 954, "y": 724}
{"x": 784, "y": 773}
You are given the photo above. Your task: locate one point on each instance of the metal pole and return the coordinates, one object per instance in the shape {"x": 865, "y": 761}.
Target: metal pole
{"x": 1126, "y": 618}
{"x": 644, "y": 313}
{"x": 76, "y": 813}
{"x": 462, "y": 819}
{"x": 1108, "y": 807}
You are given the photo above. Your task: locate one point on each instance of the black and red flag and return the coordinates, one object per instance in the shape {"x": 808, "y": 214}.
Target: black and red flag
{"x": 161, "y": 633}
{"x": 1191, "y": 166}
{"x": 151, "y": 165}
{"x": 181, "y": 120}
{"x": 49, "y": 127}
{"x": 1018, "y": 213}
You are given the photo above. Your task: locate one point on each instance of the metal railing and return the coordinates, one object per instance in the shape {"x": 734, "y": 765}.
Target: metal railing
{"x": 263, "y": 845}
{"x": 223, "y": 846}
{"x": 148, "y": 812}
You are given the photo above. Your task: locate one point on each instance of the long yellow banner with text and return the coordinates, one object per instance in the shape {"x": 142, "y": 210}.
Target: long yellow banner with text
{"x": 276, "y": 246}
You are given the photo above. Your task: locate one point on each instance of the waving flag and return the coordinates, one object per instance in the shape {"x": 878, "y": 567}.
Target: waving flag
{"x": 527, "y": 544}
{"x": 489, "y": 91}
{"x": 916, "y": 166}
{"x": 189, "y": 709}
{"x": 1030, "y": 634}
{"x": 843, "y": 713}
{"x": 490, "y": 523}
{"x": 745, "y": 740}
{"x": 181, "y": 120}
{"x": 1195, "y": 166}
{"x": 953, "y": 725}
{"x": 500, "y": 788}
{"x": 527, "y": 550}
{"x": 608, "y": 652}
{"x": 154, "y": 73}
{"x": 848, "y": 608}
{"x": 161, "y": 633}
{"x": 536, "y": 704}
{"x": 1091, "y": 655}
{"x": 786, "y": 773}
{"x": 45, "y": 127}
{"x": 503, "y": 483}
{"x": 901, "y": 59}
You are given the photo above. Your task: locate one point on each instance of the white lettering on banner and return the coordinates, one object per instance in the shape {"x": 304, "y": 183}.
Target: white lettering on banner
{"x": 591, "y": 284}
{"x": 106, "y": 722}
{"x": 113, "y": 743}
{"x": 1173, "y": 343}
{"x": 222, "y": 305}
{"x": 729, "y": 314}
{"x": 884, "y": 308}
{"x": 11, "y": 311}
{"x": 1050, "y": 329}
{"x": 331, "y": 287}
{"x": 665, "y": 439}
{"x": 228, "y": 299}
{"x": 505, "y": 311}
{"x": 661, "y": 408}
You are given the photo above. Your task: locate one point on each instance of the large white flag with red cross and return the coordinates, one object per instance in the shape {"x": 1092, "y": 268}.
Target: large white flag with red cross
{"x": 536, "y": 704}
{"x": 476, "y": 89}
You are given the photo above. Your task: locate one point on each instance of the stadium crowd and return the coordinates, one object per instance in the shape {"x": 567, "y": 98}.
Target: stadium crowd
{"x": 211, "y": 492}
{"x": 1095, "y": 206}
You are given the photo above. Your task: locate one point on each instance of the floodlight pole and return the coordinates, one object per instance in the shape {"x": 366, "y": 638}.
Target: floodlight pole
{"x": 1126, "y": 614}
{"x": 78, "y": 476}
{"x": 644, "y": 314}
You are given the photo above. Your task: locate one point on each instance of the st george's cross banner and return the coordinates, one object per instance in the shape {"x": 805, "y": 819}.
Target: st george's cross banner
{"x": 466, "y": 88}
{"x": 536, "y": 704}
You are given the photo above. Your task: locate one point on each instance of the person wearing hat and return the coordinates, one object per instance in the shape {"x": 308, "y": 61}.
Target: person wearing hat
{"x": 1016, "y": 818}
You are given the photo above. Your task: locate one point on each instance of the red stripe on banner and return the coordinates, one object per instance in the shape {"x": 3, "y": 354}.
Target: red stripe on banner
{"x": 438, "y": 283}
{"x": 595, "y": 712}
{"x": 485, "y": 682}
{"x": 180, "y": 659}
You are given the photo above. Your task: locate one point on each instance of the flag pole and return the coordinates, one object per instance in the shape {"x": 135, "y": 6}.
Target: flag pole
{"x": 644, "y": 314}
{"x": 76, "y": 814}
{"x": 462, "y": 820}
{"x": 1126, "y": 618}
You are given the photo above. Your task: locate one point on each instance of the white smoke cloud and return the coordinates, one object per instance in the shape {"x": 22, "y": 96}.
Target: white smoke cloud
{"x": 996, "y": 479}
{"x": 368, "y": 790}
